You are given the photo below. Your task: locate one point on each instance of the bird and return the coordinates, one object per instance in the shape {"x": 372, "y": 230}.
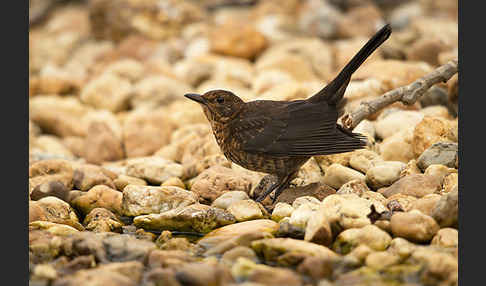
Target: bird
{"x": 278, "y": 137}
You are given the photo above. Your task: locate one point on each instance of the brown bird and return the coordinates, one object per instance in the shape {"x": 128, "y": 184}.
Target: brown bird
{"x": 278, "y": 137}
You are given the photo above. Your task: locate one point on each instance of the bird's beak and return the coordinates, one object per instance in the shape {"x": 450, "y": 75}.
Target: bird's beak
{"x": 196, "y": 97}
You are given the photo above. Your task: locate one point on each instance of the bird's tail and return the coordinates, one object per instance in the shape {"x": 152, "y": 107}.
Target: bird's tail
{"x": 334, "y": 91}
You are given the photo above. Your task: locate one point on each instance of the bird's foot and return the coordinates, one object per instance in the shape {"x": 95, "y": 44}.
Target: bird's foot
{"x": 266, "y": 185}
{"x": 266, "y": 193}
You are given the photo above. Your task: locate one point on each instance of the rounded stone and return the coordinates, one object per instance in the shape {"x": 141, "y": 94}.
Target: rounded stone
{"x": 370, "y": 235}
{"x": 281, "y": 210}
{"x": 414, "y": 225}
{"x": 228, "y": 198}
{"x": 384, "y": 174}
{"x": 446, "y": 237}
{"x": 337, "y": 175}
{"x": 246, "y": 210}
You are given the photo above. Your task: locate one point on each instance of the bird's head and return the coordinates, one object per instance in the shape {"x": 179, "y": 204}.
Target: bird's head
{"x": 218, "y": 105}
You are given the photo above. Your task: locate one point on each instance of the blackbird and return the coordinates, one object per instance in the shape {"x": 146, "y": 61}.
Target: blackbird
{"x": 278, "y": 137}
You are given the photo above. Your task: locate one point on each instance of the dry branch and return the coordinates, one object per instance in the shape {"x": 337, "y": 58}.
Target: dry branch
{"x": 408, "y": 94}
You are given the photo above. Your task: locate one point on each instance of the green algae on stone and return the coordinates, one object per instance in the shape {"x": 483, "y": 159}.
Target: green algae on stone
{"x": 194, "y": 218}
{"x": 369, "y": 235}
{"x": 281, "y": 210}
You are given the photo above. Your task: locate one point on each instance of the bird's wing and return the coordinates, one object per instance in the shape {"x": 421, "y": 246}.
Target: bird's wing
{"x": 296, "y": 128}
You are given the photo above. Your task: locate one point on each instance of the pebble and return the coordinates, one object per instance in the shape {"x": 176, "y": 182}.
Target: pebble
{"x": 200, "y": 274}
{"x": 302, "y": 213}
{"x": 439, "y": 172}
{"x": 272, "y": 248}
{"x": 102, "y": 220}
{"x": 228, "y": 198}
{"x": 55, "y": 210}
{"x": 384, "y": 174}
{"x": 217, "y": 180}
{"x": 49, "y": 146}
{"x": 99, "y": 196}
{"x": 173, "y": 182}
{"x": 402, "y": 247}
{"x": 153, "y": 169}
{"x": 193, "y": 218}
{"x": 401, "y": 201}
{"x": 357, "y": 187}
{"x": 165, "y": 258}
{"x": 237, "y": 41}
{"x": 289, "y": 195}
{"x": 369, "y": 235}
{"x": 46, "y": 171}
{"x": 338, "y": 212}
{"x": 416, "y": 185}
{"x": 123, "y": 180}
{"x": 45, "y": 111}
{"x": 445, "y": 211}
{"x": 446, "y": 237}
{"x": 247, "y": 229}
{"x": 381, "y": 259}
{"x": 439, "y": 153}
{"x": 414, "y": 225}
{"x": 432, "y": 130}
{"x": 260, "y": 274}
{"x": 244, "y": 210}
{"x": 281, "y": 210}
{"x": 107, "y": 91}
{"x": 337, "y": 175}
{"x": 103, "y": 142}
{"x": 54, "y": 228}
{"x": 439, "y": 266}
{"x": 426, "y": 204}
{"x": 52, "y": 188}
{"x": 396, "y": 122}
{"x": 87, "y": 176}
{"x": 363, "y": 160}
{"x": 145, "y": 132}
{"x": 450, "y": 182}
{"x": 398, "y": 147}
{"x": 230, "y": 256}
{"x": 410, "y": 168}
{"x": 117, "y": 273}
{"x": 139, "y": 200}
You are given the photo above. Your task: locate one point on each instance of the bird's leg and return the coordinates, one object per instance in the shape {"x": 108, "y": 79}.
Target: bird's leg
{"x": 285, "y": 183}
{"x": 268, "y": 191}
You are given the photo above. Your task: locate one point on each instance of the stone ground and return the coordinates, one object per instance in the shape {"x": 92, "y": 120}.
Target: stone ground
{"x": 127, "y": 185}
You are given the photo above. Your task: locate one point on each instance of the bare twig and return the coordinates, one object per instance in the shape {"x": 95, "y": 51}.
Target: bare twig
{"x": 408, "y": 94}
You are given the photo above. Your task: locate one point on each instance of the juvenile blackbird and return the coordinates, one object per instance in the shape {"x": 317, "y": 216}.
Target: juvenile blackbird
{"x": 278, "y": 137}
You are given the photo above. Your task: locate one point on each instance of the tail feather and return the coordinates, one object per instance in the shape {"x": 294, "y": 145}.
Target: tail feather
{"x": 334, "y": 91}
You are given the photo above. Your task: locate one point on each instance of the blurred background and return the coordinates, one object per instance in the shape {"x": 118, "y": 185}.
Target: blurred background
{"x": 107, "y": 77}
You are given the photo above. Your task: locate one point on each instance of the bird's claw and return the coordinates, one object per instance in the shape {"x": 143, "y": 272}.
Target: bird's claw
{"x": 274, "y": 198}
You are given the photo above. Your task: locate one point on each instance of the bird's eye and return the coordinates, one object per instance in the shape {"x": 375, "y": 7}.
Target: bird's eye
{"x": 220, "y": 100}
